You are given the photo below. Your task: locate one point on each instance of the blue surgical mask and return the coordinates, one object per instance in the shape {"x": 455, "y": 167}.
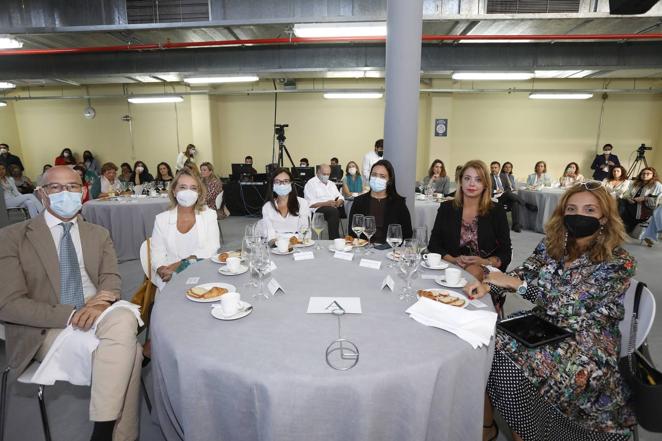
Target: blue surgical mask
{"x": 282, "y": 189}
{"x": 323, "y": 178}
{"x": 66, "y": 203}
{"x": 377, "y": 184}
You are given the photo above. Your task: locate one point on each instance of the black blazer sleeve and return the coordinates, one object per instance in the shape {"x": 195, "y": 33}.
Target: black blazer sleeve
{"x": 597, "y": 162}
{"x": 361, "y": 205}
{"x": 494, "y": 235}
{"x": 445, "y": 235}
{"x": 399, "y": 214}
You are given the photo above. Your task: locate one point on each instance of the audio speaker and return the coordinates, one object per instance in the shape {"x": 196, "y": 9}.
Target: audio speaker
{"x": 630, "y": 7}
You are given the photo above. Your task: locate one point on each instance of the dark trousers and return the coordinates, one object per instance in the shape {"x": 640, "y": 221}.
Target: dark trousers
{"x": 332, "y": 218}
{"x": 628, "y": 214}
{"x": 515, "y": 203}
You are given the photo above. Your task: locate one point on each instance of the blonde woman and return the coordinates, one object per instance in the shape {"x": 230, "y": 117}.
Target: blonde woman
{"x": 187, "y": 231}
{"x": 212, "y": 183}
{"x": 576, "y": 278}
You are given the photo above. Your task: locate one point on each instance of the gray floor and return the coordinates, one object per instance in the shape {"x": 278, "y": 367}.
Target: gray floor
{"x": 67, "y": 405}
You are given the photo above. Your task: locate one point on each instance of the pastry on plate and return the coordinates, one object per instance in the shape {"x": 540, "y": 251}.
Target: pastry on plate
{"x": 201, "y": 293}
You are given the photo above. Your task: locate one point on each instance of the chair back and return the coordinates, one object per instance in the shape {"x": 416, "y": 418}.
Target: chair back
{"x": 145, "y": 259}
{"x": 646, "y": 316}
{"x": 219, "y": 201}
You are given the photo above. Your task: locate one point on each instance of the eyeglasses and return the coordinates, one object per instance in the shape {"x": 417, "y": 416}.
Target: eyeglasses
{"x": 57, "y": 188}
{"x": 589, "y": 185}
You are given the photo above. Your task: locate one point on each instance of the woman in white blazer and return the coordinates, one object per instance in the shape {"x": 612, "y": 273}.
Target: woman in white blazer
{"x": 188, "y": 230}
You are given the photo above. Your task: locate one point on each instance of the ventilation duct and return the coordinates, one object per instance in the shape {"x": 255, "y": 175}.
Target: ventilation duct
{"x": 166, "y": 11}
{"x": 532, "y": 6}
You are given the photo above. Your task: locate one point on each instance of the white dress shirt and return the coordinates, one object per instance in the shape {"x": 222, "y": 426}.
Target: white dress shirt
{"x": 315, "y": 191}
{"x": 277, "y": 224}
{"x": 368, "y": 160}
{"x": 107, "y": 186}
{"x": 54, "y": 225}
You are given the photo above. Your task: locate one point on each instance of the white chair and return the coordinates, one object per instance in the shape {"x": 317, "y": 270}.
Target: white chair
{"x": 646, "y": 317}
{"x": 219, "y": 204}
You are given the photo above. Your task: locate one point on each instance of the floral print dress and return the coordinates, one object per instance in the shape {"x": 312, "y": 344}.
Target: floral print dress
{"x": 571, "y": 390}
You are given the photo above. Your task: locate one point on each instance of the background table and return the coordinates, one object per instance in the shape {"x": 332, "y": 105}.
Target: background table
{"x": 264, "y": 377}
{"x": 130, "y": 221}
{"x": 426, "y": 213}
{"x": 546, "y": 200}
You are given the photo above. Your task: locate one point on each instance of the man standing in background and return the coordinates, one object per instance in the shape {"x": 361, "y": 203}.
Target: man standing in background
{"x": 371, "y": 157}
{"x": 602, "y": 164}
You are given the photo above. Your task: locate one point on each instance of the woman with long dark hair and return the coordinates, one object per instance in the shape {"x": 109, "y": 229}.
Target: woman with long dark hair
{"x": 643, "y": 196}
{"x": 437, "y": 177}
{"x": 66, "y": 158}
{"x": 141, "y": 173}
{"x": 283, "y": 210}
{"x": 571, "y": 175}
{"x": 91, "y": 163}
{"x": 617, "y": 183}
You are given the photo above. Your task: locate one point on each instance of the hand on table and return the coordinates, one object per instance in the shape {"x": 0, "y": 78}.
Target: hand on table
{"x": 475, "y": 290}
{"x": 165, "y": 272}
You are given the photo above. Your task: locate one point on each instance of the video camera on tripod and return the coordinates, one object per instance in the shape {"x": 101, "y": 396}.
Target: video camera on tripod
{"x": 279, "y": 130}
{"x": 641, "y": 159}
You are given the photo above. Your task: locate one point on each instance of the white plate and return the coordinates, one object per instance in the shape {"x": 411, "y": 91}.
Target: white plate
{"x": 392, "y": 257}
{"x": 214, "y": 258}
{"x": 208, "y": 286}
{"x": 442, "y": 265}
{"x": 217, "y": 312}
{"x": 443, "y": 282}
{"x": 275, "y": 251}
{"x": 310, "y": 243}
{"x": 452, "y": 294}
{"x": 223, "y": 270}
{"x": 332, "y": 248}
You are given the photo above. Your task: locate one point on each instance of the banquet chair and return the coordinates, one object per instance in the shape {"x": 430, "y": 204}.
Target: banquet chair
{"x": 219, "y": 206}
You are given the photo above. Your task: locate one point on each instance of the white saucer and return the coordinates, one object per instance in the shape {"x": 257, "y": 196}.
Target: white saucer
{"x": 332, "y": 248}
{"x": 275, "y": 251}
{"x": 217, "y": 312}
{"x": 442, "y": 265}
{"x": 442, "y": 282}
{"x": 207, "y": 286}
{"x": 223, "y": 270}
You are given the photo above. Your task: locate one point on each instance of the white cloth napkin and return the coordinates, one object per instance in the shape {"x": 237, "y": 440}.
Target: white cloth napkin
{"x": 474, "y": 327}
{"x": 70, "y": 357}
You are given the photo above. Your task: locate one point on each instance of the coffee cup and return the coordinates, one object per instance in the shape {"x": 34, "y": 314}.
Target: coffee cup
{"x": 233, "y": 264}
{"x": 453, "y": 276}
{"x": 230, "y": 303}
{"x": 339, "y": 244}
{"x": 283, "y": 245}
{"x": 432, "y": 259}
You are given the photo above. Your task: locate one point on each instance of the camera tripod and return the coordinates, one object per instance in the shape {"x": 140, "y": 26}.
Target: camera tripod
{"x": 282, "y": 148}
{"x": 639, "y": 160}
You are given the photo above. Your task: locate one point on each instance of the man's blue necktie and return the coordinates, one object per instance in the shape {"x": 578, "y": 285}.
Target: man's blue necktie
{"x": 71, "y": 283}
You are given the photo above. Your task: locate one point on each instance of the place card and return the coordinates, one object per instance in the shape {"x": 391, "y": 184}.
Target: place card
{"x": 429, "y": 276}
{"x": 388, "y": 281}
{"x": 372, "y": 264}
{"x": 192, "y": 280}
{"x": 477, "y": 303}
{"x": 325, "y": 305}
{"x": 304, "y": 255}
{"x": 273, "y": 286}
{"x": 343, "y": 255}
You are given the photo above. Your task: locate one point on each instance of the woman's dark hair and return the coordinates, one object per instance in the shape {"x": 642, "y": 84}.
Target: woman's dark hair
{"x": 624, "y": 173}
{"x": 45, "y": 167}
{"x": 140, "y": 163}
{"x": 504, "y": 165}
{"x": 87, "y": 155}
{"x": 126, "y": 164}
{"x": 304, "y": 160}
{"x": 654, "y": 179}
{"x": 391, "y": 191}
{"x": 565, "y": 170}
{"x": 292, "y": 200}
{"x": 158, "y": 172}
{"x": 81, "y": 169}
{"x": 71, "y": 154}
{"x": 443, "y": 168}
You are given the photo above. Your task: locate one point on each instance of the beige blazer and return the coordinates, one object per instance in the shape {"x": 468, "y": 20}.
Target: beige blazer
{"x": 30, "y": 282}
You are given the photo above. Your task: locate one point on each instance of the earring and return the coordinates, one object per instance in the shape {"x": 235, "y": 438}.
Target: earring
{"x": 565, "y": 242}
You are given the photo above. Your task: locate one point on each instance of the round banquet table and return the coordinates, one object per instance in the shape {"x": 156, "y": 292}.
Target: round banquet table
{"x": 425, "y": 214}
{"x": 265, "y": 377}
{"x": 130, "y": 221}
{"x": 546, "y": 200}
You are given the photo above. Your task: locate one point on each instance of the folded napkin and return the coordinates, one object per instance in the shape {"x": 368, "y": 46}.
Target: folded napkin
{"x": 70, "y": 357}
{"x": 474, "y": 327}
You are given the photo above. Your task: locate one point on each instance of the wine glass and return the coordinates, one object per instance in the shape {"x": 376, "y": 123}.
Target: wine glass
{"x": 369, "y": 230}
{"x": 394, "y": 239}
{"x": 248, "y": 254}
{"x": 408, "y": 264}
{"x": 318, "y": 226}
{"x": 261, "y": 263}
{"x": 358, "y": 225}
{"x": 421, "y": 238}
{"x": 304, "y": 228}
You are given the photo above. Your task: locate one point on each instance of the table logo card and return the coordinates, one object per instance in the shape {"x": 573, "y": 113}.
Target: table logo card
{"x": 372, "y": 264}
{"x": 388, "y": 282}
{"x": 273, "y": 286}
{"x": 343, "y": 255}
{"x": 304, "y": 255}
{"x": 192, "y": 280}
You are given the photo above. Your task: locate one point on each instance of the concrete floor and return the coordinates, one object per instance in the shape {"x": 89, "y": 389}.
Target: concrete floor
{"x": 68, "y": 405}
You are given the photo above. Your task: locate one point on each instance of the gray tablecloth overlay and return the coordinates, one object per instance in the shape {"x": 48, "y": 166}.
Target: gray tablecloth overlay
{"x": 129, "y": 222}
{"x": 264, "y": 377}
{"x": 546, "y": 201}
{"x": 426, "y": 213}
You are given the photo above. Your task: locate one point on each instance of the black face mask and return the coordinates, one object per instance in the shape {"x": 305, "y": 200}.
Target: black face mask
{"x": 380, "y": 153}
{"x": 579, "y": 226}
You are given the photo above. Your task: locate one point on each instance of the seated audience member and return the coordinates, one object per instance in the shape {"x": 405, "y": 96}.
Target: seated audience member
{"x": 188, "y": 230}
{"x": 91, "y": 163}
{"x": 571, "y": 175}
{"x": 639, "y": 201}
{"x": 654, "y": 228}
{"x": 603, "y": 164}
{"x": 471, "y": 231}
{"x": 617, "y": 183}
{"x": 14, "y": 198}
{"x": 35, "y": 309}
{"x": 371, "y": 157}
{"x": 66, "y": 158}
{"x": 539, "y": 177}
{"x": 383, "y": 202}
{"x": 190, "y": 166}
{"x": 141, "y": 174}
{"x": 85, "y": 189}
{"x": 352, "y": 183}
{"x": 576, "y": 278}
{"x": 248, "y": 160}
{"x": 283, "y": 212}
{"x": 323, "y": 197}
{"x": 303, "y": 162}
{"x": 436, "y": 178}
{"x": 187, "y": 155}
{"x": 7, "y": 159}
{"x": 452, "y": 186}
{"x": 505, "y": 189}
{"x": 43, "y": 170}
{"x": 163, "y": 175}
{"x": 23, "y": 183}
{"x": 336, "y": 170}
{"x": 213, "y": 185}
{"x": 89, "y": 176}
{"x": 126, "y": 172}
{"x": 108, "y": 184}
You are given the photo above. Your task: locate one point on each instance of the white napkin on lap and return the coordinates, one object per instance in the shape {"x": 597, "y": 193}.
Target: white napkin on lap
{"x": 474, "y": 327}
{"x": 70, "y": 356}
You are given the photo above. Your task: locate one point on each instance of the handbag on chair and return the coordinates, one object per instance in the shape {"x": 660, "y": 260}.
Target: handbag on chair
{"x": 145, "y": 294}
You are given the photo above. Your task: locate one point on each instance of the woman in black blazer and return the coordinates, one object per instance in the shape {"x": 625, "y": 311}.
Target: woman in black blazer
{"x": 383, "y": 202}
{"x": 471, "y": 231}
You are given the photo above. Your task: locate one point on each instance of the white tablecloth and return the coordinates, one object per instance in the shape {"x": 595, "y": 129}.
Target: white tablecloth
{"x": 425, "y": 214}
{"x": 546, "y": 200}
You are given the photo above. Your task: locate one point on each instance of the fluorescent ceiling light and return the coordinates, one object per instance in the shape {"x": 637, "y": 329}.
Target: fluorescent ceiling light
{"x": 361, "y": 29}
{"x": 156, "y": 99}
{"x": 353, "y": 95}
{"x": 3, "y": 104}
{"x": 486, "y": 76}
{"x": 168, "y": 78}
{"x": 146, "y": 79}
{"x": 345, "y": 74}
{"x": 563, "y": 73}
{"x": 220, "y": 80}
{"x": 560, "y": 95}
{"x": 10, "y": 43}
{"x": 5, "y": 85}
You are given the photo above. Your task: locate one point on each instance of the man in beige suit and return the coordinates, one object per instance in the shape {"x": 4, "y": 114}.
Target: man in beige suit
{"x": 58, "y": 270}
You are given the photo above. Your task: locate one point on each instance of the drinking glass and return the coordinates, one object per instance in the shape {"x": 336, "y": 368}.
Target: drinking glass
{"x": 394, "y": 239}
{"x": 304, "y": 228}
{"x": 318, "y": 226}
{"x": 261, "y": 263}
{"x": 248, "y": 254}
{"x": 421, "y": 238}
{"x": 369, "y": 230}
{"x": 408, "y": 264}
{"x": 358, "y": 225}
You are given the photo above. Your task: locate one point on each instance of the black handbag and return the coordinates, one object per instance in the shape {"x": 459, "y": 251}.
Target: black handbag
{"x": 644, "y": 380}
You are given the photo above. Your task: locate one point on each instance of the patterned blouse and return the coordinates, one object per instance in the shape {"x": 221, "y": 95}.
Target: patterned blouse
{"x": 579, "y": 375}
{"x": 469, "y": 234}
{"x": 214, "y": 187}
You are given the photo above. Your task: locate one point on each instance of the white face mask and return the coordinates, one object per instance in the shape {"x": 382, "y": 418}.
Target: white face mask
{"x": 3, "y": 151}
{"x": 139, "y": 169}
{"x": 303, "y": 164}
{"x": 65, "y": 154}
{"x": 351, "y": 171}
{"x": 187, "y": 198}
{"x": 323, "y": 178}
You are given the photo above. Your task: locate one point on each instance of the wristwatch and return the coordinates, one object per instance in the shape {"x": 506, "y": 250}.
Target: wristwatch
{"x": 521, "y": 290}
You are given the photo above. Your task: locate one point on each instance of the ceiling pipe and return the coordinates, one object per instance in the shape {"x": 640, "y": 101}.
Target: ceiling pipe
{"x": 299, "y": 40}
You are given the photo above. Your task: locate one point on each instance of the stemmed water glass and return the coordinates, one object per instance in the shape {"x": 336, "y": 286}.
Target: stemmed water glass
{"x": 248, "y": 254}
{"x": 369, "y": 230}
{"x": 304, "y": 228}
{"x": 261, "y": 263}
{"x": 421, "y": 238}
{"x": 408, "y": 264}
{"x": 394, "y": 239}
{"x": 358, "y": 225}
{"x": 318, "y": 226}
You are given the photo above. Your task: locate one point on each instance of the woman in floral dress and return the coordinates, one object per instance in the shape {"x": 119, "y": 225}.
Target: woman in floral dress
{"x": 576, "y": 277}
